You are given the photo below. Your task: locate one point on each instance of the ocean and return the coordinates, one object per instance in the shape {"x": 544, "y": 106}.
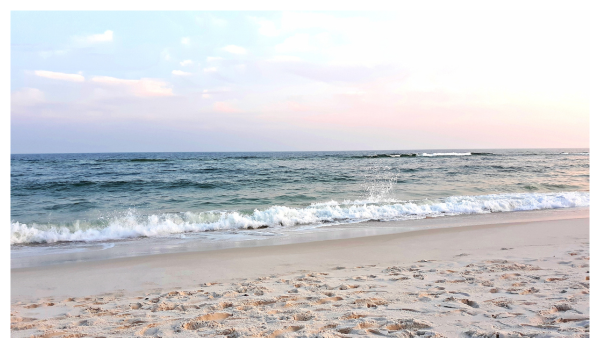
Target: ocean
{"x": 66, "y": 200}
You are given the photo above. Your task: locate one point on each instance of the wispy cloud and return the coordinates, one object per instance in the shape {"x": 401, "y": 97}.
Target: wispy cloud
{"x": 59, "y": 76}
{"x": 342, "y": 71}
{"x": 235, "y": 49}
{"x": 143, "y": 87}
{"x": 107, "y": 36}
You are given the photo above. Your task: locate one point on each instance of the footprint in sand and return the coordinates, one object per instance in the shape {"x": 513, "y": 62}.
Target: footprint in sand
{"x": 352, "y": 315}
{"x": 329, "y": 300}
{"x": 287, "y": 329}
{"x": 303, "y": 317}
{"x": 215, "y": 316}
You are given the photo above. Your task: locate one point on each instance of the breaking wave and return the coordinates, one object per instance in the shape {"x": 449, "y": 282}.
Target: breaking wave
{"x": 425, "y": 155}
{"x": 132, "y": 225}
{"x": 446, "y": 154}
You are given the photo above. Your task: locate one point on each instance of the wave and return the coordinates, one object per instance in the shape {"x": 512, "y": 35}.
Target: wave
{"x": 89, "y": 185}
{"x": 385, "y": 155}
{"x": 446, "y": 154}
{"x": 132, "y": 225}
{"x": 470, "y": 153}
{"x": 148, "y": 160}
{"x": 108, "y": 160}
{"x": 425, "y": 155}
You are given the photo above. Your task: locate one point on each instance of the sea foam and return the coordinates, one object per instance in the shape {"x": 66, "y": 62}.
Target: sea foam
{"x": 445, "y": 154}
{"x": 133, "y": 225}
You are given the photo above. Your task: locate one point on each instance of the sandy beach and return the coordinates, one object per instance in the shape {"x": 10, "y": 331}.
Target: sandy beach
{"x": 489, "y": 280}
{"x": 307, "y": 172}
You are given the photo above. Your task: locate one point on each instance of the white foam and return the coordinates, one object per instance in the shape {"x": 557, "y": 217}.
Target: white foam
{"x": 445, "y": 154}
{"x": 133, "y": 225}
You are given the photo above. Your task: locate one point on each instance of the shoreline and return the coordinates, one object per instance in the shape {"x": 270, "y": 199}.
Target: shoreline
{"x": 166, "y": 270}
{"x": 115, "y": 249}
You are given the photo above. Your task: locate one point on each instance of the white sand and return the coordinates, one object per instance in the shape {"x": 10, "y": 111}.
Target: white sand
{"x": 519, "y": 279}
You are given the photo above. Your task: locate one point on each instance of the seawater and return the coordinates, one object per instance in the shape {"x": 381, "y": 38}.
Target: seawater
{"x": 82, "y": 198}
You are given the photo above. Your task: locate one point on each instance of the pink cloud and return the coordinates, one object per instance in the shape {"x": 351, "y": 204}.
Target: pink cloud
{"x": 225, "y": 107}
{"x": 143, "y": 87}
{"x": 59, "y": 76}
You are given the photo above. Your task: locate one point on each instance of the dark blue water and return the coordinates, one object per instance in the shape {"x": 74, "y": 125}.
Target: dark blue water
{"x": 89, "y": 197}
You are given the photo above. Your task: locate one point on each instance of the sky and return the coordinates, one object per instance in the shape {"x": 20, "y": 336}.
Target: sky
{"x": 158, "y": 81}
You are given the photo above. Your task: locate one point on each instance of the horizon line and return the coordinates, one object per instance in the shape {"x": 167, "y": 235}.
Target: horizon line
{"x": 283, "y": 151}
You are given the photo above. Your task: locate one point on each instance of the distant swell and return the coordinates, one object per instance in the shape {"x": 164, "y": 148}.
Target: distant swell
{"x": 446, "y": 154}
{"x": 425, "y": 155}
{"x": 148, "y": 160}
{"x": 132, "y": 225}
{"x": 129, "y": 160}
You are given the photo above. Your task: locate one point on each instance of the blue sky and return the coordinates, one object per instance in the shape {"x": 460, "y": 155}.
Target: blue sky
{"x": 269, "y": 81}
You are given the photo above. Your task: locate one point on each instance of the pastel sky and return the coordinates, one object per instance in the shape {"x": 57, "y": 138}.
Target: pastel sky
{"x": 273, "y": 81}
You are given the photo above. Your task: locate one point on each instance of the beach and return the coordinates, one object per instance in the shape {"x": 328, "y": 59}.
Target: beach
{"x": 486, "y": 278}
{"x": 299, "y": 173}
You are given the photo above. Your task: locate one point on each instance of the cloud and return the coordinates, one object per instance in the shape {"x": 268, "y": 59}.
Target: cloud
{"x": 235, "y": 49}
{"x": 143, "y": 87}
{"x": 180, "y": 73}
{"x": 210, "y": 69}
{"x": 225, "y": 107}
{"x": 60, "y": 76}
{"x": 104, "y": 37}
{"x": 186, "y": 63}
{"x": 107, "y": 36}
{"x": 185, "y": 41}
{"x": 27, "y": 97}
{"x": 207, "y": 94}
